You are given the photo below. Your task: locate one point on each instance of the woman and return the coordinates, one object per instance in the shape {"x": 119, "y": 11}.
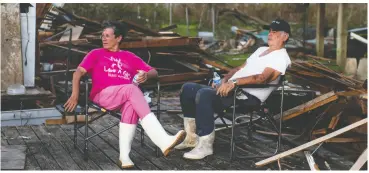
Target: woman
{"x": 112, "y": 71}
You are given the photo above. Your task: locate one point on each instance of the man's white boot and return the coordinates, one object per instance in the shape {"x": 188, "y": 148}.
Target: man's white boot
{"x": 126, "y": 134}
{"x": 159, "y": 136}
{"x": 191, "y": 139}
{"x": 203, "y": 148}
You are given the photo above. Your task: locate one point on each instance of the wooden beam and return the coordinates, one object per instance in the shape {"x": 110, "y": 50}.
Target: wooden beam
{"x": 311, "y": 143}
{"x": 182, "y": 41}
{"x": 313, "y": 166}
{"x": 312, "y": 104}
{"x": 74, "y": 50}
{"x": 334, "y": 121}
{"x": 345, "y": 140}
{"x": 320, "y": 29}
{"x": 360, "y": 161}
{"x": 186, "y": 64}
{"x": 320, "y": 131}
{"x": 319, "y": 58}
{"x": 342, "y": 35}
{"x": 214, "y": 64}
{"x": 182, "y": 77}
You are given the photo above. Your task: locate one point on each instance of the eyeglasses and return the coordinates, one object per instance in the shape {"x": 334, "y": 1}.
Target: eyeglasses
{"x": 106, "y": 36}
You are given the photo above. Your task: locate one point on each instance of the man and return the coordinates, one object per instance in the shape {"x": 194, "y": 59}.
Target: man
{"x": 199, "y": 102}
{"x": 112, "y": 72}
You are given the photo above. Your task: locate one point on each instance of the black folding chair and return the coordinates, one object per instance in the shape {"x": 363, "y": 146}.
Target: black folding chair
{"x": 261, "y": 112}
{"x": 104, "y": 112}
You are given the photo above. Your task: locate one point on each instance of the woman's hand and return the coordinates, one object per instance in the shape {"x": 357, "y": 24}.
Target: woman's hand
{"x": 142, "y": 76}
{"x": 71, "y": 103}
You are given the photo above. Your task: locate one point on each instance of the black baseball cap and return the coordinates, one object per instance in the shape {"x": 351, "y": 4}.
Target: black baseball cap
{"x": 280, "y": 25}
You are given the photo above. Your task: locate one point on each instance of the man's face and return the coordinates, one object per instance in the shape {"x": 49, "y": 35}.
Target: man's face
{"x": 108, "y": 38}
{"x": 276, "y": 38}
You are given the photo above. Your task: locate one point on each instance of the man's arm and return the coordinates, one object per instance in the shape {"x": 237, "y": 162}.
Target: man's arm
{"x": 267, "y": 76}
{"x": 232, "y": 72}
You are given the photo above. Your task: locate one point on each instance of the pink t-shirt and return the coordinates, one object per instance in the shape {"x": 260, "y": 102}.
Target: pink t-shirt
{"x": 111, "y": 68}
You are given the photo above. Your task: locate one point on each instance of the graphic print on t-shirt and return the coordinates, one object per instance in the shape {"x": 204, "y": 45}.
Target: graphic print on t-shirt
{"x": 115, "y": 69}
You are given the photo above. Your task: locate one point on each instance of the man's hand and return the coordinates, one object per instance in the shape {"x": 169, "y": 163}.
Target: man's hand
{"x": 142, "y": 76}
{"x": 225, "y": 88}
{"x": 71, "y": 103}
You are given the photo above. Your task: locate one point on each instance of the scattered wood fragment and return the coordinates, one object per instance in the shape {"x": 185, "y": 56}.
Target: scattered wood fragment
{"x": 311, "y": 143}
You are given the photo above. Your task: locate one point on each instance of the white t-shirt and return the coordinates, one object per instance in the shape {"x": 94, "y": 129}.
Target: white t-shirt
{"x": 277, "y": 60}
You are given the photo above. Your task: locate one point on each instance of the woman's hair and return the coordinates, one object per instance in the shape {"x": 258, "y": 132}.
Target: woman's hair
{"x": 119, "y": 28}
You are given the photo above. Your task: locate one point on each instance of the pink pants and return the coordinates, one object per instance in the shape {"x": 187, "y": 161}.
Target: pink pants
{"x": 128, "y": 98}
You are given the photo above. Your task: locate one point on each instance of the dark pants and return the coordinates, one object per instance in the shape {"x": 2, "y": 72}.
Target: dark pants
{"x": 200, "y": 102}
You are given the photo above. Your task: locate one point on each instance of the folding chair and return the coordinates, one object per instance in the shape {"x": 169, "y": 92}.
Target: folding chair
{"x": 103, "y": 111}
{"x": 261, "y": 112}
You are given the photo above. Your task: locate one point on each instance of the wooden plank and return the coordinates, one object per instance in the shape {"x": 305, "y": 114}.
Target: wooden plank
{"x": 310, "y": 105}
{"x": 311, "y": 143}
{"x": 13, "y": 157}
{"x": 61, "y": 156}
{"x": 16, "y": 139}
{"x": 66, "y": 48}
{"x": 182, "y": 77}
{"x": 345, "y": 140}
{"x": 94, "y": 153}
{"x": 11, "y": 55}
{"x": 65, "y": 43}
{"x": 320, "y": 131}
{"x": 334, "y": 121}
{"x": 55, "y": 121}
{"x": 154, "y": 43}
{"x": 311, "y": 162}
{"x": 43, "y": 157}
{"x": 140, "y": 28}
{"x": 214, "y": 64}
{"x": 349, "y": 93}
{"x": 62, "y": 138}
{"x": 360, "y": 161}
{"x": 319, "y": 58}
{"x": 188, "y": 65}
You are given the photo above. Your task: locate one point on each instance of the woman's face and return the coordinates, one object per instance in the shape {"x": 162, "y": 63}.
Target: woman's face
{"x": 109, "y": 40}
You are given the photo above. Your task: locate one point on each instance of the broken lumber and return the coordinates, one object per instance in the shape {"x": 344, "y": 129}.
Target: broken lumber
{"x": 311, "y": 143}
{"x": 360, "y": 161}
{"x": 160, "y": 43}
{"x": 312, "y": 104}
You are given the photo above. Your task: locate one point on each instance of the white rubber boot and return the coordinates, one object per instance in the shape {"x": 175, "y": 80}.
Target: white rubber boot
{"x": 126, "y": 134}
{"x": 159, "y": 136}
{"x": 203, "y": 148}
{"x": 191, "y": 139}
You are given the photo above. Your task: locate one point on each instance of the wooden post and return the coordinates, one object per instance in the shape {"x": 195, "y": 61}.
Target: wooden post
{"x": 342, "y": 35}
{"x": 320, "y": 30}
{"x": 213, "y": 17}
{"x": 188, "y": 31}
{"x": 170, "y": 14}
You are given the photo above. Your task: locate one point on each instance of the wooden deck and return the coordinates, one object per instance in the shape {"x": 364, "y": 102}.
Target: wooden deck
{"x": 51, "y": 148}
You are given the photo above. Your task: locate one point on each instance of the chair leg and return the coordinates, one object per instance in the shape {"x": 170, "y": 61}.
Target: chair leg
{"x": 75, "y": 130}
{"x": 86, "y": 135}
